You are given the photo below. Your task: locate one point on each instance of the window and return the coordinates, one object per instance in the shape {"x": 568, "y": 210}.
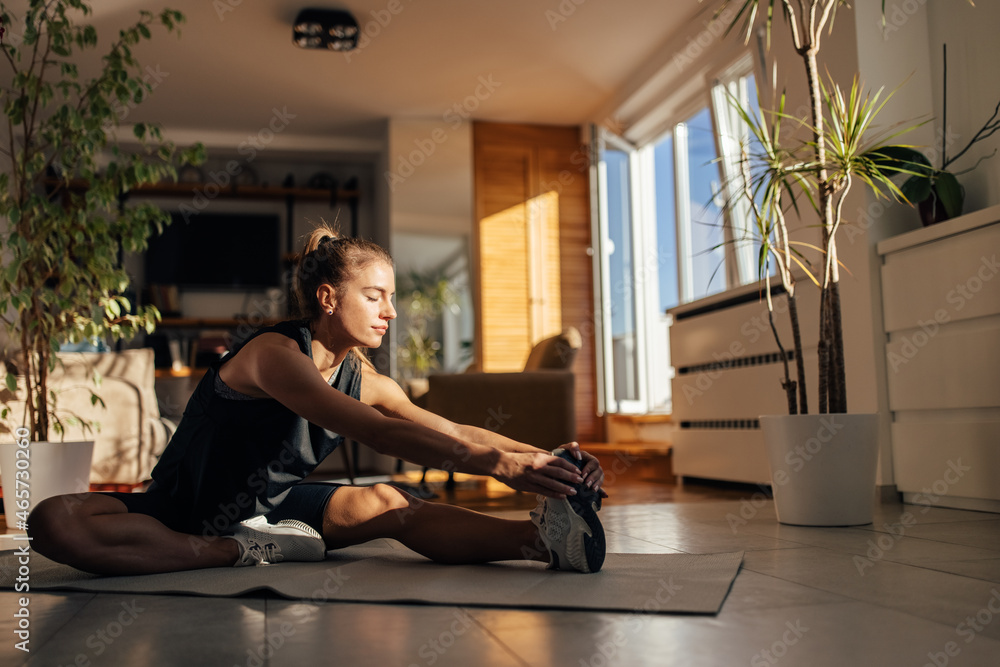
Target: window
{"x": 666, "y": 236}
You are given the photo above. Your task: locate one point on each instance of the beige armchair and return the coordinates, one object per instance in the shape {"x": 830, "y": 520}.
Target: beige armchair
{"x": 131, "y": 433}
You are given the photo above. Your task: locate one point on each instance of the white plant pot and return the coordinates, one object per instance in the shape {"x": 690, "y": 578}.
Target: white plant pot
{"x": 53, "y": 469}
{"x": 822, "y": 467}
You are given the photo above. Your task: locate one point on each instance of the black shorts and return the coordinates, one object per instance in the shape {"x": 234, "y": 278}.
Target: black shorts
{"x": 304, "y": 502}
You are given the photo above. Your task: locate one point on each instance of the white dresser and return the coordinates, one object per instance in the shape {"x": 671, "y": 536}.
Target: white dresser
{"x": 941, "y": 299}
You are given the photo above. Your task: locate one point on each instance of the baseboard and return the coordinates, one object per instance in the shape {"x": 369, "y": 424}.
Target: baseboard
{"x": 888, "y": 494}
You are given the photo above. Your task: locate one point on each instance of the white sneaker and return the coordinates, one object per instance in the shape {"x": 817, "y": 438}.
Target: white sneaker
{"x": 264, "y": 543}
{"x": 570, "y": 529}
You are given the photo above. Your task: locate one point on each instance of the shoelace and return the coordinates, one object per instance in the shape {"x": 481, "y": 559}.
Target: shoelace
{"x": 263, "y": 553}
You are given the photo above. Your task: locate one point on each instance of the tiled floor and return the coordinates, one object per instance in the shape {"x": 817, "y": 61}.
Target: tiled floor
{"x": 805, "y": 596}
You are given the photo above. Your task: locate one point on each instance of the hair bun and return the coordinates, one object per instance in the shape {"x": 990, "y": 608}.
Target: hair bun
{"x": 320, "y": 235}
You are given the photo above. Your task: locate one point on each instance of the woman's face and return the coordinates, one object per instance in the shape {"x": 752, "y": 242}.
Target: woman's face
{"x": 364, "y": 307}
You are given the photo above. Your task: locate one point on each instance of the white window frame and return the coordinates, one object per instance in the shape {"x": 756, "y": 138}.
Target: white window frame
{"x": 740, "y": 257}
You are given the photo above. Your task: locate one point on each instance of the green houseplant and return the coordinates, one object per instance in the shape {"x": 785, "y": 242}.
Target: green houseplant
{"x": 64, "y": 223}
{"x": 935, "y": 190}
{"x": 840, "y": 149}
{"x": 424, "y": 297}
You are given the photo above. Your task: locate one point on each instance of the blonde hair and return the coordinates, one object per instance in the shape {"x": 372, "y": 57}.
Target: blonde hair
{"x": 329, "y": 258}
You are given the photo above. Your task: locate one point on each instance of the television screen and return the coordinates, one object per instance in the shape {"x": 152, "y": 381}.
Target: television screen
{"x": 216, "y": 251}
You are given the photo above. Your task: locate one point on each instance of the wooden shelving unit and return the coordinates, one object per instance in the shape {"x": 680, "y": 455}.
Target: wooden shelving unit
{"x": 245, "y": 192}
{"x": 211, "y": 323}
{"x": 252, "y": 192}
{"x": 230, "y": 191}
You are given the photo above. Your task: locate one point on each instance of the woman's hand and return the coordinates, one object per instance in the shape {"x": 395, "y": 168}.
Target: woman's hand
{"x": 593, "y": 474}
{"x": 538, "y": 472}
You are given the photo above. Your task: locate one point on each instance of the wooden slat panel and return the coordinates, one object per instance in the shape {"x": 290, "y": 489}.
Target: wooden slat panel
{"x": 518, "y": 165}
{"x": 504, "y": 280}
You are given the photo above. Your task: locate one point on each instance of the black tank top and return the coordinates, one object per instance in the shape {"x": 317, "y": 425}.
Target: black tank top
{"x": 231, "y": 459}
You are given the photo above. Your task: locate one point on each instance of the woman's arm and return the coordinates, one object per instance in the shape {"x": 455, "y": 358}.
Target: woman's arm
{"x": 273, "y": 366}
{"x": 387, "y": 397}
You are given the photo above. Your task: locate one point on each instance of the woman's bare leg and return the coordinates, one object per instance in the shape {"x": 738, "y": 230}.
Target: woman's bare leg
{"x": 96, "y": 533}
{"x": 443, "y": 533}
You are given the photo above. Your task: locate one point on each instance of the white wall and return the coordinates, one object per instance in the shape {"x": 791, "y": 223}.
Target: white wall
{"x": 429, "y": 176}
{"x": 429, "y": 181}
{"x": 973, "y": 88}
{"x": 903, "y": 56}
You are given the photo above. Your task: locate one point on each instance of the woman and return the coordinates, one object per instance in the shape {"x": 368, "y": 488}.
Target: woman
{"x": 228, "y": 489}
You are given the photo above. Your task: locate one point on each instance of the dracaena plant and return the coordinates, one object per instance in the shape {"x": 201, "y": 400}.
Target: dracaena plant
{"x": 65, "y": 223}
{"x": 838, "y": 154}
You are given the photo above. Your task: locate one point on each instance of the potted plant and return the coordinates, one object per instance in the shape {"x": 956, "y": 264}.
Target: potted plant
{"x": 823, "y": 464}
{"x": 63, "y": 221}
{"x": 935, "y": 190}
{"x": 424, "y": 297}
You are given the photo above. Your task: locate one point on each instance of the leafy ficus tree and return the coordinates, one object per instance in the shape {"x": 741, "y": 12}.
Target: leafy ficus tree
{"x": 62, "y": 186}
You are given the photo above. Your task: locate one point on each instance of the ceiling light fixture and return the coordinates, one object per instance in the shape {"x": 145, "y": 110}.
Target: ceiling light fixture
{"x": 332, "y": 29}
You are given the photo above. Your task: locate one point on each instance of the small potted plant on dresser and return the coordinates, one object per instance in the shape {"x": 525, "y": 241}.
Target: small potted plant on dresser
{"x": 823, "y": 465}
{"x": 63, "y": 226}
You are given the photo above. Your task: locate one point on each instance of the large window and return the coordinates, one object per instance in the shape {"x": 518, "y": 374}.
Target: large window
{"x": 667, "y": 237}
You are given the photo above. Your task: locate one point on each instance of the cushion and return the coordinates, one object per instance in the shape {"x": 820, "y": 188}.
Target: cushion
{"x": 556, "y": 352}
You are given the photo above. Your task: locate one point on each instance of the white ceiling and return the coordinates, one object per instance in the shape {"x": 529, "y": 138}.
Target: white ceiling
{"x": 551, "y": 61}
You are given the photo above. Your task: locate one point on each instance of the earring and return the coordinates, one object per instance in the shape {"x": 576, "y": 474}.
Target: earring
{"x": 329, "y": 312}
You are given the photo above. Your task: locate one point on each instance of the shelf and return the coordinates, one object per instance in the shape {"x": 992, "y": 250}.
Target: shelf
{"x": 232, "y": 191}
{"x": 213, "y": 322}
{"x": 182, "y": 372}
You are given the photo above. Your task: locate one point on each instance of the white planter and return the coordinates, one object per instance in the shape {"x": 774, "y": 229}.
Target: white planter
{"x": 52, "y": 469}
{"x": 822, "y": 467}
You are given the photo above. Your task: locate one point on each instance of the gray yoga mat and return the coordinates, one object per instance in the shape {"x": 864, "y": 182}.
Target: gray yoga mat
{"x": 384, "y": 572}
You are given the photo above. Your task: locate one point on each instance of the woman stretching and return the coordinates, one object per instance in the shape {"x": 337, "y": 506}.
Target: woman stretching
{"x": 228, "y": 489}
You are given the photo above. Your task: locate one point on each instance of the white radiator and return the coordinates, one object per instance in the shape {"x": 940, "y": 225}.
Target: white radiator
{"x": 727, "y": 372}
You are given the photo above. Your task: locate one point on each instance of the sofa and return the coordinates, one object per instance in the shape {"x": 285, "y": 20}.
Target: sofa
{"x": 534, "y": 405}
{"x": 129, "y": 434}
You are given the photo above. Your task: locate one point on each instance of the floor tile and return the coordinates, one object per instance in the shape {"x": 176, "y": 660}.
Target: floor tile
{"x": 156, "y": 630}
{"x": 892, "y": 513}
{"x": 982, "y": 534}
{"x": 752, "y": 590}
{"x": 804, "y": 596}
{"x": 47, "y": 614}
{"x": 835, "y": 635}
{"x": 379, "y": 635}
{"x": 933, "y": 595}
{"x": 988, "y": 570}
{"x": 898, "y": 546}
